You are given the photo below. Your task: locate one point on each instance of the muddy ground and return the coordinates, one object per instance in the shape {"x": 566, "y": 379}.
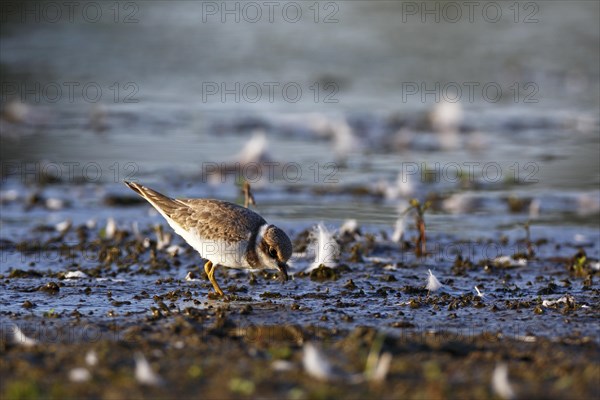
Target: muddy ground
{"x": 206, "y": 354}
{"x": 135, "y": 299}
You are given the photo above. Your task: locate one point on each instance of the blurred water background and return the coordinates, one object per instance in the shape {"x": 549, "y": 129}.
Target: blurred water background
{"x": 154, "y": 98}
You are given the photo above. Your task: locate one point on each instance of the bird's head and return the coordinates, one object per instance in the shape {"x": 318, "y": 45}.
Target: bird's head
{"x": 275, "y": 249}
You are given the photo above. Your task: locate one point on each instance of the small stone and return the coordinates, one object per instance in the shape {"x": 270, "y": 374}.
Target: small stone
{"x": 28, "y": 304}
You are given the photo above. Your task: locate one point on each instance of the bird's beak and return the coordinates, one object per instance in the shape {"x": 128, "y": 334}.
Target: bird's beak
{"x": 283, "y": 276}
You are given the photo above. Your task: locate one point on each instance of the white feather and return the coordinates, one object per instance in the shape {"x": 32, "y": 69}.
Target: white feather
{"x": 55, "y": 204}
{"x": 64, "y": 226}
{"x": 174, "y": 250}
{"x": 325, "y": 247}
{"x": 534, "y": 209}
{"x": 382, "y": 368}
{"x": 350, "y": 227}
{"x": 255, "y": 150}
{"x": 315, "y": 363}
{"x": 506, "y": 261}
{"x": 479, "y": 293}
{"x": 500, "y": 383}
{"x": 190, "y": 277}
{"x": 111, "y": 228}
{"x": 432, "y": 282}
{"x": 403, "y": 186}
{"x": 144, "y": 373}
{"x": 91, "y": 358}
{"x": 136, "y": 231}
{"x": 399, "y": 227}
{"x": 79, "y": 375}
{"x": 75, "y": 275}
{"x": 282, "y": 365}
{"x": 162, "y": 239}
{"x": 446, "y": 117}
{"x": 18, "y": 337}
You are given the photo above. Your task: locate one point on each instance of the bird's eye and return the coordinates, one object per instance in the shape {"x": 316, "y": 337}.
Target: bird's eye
{"x": 272, "y": 252}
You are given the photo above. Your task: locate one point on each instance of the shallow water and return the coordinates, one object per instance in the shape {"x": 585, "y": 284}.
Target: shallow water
{"x": 387, "y": 290}
{"x": 504, "y": 164}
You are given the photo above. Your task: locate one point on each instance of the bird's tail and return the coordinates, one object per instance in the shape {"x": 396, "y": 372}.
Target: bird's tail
{"x": 164, "y": 204}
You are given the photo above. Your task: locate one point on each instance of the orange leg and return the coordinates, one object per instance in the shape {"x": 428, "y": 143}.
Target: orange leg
{"x": 210, "y": 269}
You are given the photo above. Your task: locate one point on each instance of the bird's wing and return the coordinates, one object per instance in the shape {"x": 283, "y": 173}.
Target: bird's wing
{"x": 211, "y": 219}
{"x": 217, "y": 219}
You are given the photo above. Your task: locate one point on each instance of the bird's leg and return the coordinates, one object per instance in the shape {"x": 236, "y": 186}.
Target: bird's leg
{"x": 210, "y": 269}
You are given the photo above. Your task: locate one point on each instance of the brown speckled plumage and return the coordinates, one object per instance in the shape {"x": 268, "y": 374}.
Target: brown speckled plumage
{"x": 212, "y": 219}
{"x": 207, "y": 224}
{"x": 223, "y": 233}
